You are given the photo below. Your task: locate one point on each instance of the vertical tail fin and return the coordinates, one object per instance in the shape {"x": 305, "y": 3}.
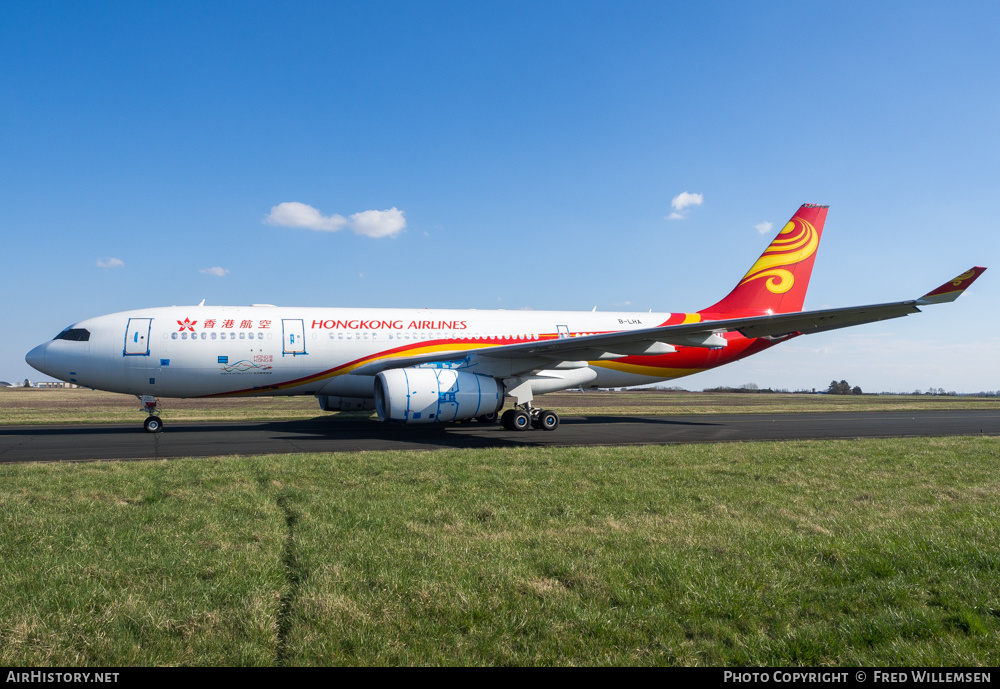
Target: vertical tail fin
{"x": 777, "y": 282}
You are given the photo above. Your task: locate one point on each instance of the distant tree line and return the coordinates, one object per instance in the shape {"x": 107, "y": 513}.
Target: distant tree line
{"x": 746, "y": 387}
{"x": 835, "y": 388}
{"x": 842, "y": 388}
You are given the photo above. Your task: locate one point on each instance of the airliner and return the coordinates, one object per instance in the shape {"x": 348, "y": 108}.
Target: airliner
{"x": 437, "y": 366}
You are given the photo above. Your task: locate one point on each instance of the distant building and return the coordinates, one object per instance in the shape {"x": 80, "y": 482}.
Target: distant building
{"x": 5, "y": 384}
{"x": 55, "y": 384}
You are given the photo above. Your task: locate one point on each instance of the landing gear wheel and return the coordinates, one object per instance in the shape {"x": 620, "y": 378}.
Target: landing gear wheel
{"x": 520, "y": 421}
{"x": 505, "y": 419}
{"x": 488, "y": 418}
{"x": 153, "y": 424}
{"x": 548, "y": 420}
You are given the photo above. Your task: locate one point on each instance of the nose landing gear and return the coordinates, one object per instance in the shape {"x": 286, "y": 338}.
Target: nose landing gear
{"x": 152, "y": 424}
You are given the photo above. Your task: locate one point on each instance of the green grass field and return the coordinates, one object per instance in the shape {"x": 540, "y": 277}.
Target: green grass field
{"x": 873, "y": 552}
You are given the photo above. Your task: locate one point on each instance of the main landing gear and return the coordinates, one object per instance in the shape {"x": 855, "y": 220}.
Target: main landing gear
{"x": 152, "y": 424}
{"x": 523, "y": 417}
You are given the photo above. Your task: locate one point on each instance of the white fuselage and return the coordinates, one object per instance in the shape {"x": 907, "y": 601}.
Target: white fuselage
{"x": 193, "y": 351}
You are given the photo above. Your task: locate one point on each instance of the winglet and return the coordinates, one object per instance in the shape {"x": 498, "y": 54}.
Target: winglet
{"x": 952, "y": 290}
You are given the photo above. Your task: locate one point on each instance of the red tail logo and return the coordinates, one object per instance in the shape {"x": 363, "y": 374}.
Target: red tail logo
{"x": 777, "y": 282}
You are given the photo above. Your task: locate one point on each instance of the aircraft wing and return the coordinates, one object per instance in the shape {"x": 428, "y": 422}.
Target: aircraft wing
{"x": 659, "y": 340}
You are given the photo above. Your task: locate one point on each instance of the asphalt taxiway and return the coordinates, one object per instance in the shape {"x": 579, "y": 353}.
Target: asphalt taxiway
{"x": 329, "y": 434}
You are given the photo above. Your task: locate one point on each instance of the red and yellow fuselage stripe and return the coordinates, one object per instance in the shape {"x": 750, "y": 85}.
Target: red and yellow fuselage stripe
{"x": 685, "y": 361}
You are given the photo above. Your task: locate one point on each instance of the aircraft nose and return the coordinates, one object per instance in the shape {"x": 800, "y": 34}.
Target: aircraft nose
{"x": 36, "y": 358}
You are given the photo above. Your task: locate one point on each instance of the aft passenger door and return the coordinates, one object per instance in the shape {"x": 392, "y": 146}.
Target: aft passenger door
{"x": 293, "y": 336}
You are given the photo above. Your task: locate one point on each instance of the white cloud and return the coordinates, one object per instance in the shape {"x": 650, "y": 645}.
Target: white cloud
{"x": 216, "y": 271}
{"x": 682, "y": 202}
{"x": 684, "y": 199}
{"x": 110, "y": 263}
{"x": 387, "y": 223}
{"x": 763, "y": 227}
{"x": 295, "y": 214}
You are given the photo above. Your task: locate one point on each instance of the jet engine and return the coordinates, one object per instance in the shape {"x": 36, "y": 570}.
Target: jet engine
{"x": 435, "y": 395}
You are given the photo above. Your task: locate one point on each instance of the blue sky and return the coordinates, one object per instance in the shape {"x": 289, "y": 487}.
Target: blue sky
{"x": 506, "y": 155}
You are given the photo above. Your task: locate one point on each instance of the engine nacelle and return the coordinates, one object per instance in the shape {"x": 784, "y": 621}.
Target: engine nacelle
{"x": 435, "y": 395}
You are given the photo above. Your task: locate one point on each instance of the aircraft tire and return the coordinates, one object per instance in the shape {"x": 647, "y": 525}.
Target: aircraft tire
{"x": 505, "y": 419}
{"x": 488, "y": 418}
{"x": 548, "y": 420}
{"x": 520, "y": 420}
{"x": 153, "y": 424}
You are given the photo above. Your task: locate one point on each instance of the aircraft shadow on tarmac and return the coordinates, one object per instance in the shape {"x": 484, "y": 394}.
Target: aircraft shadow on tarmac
{"x": 318, "y": 433}
{"x": 461, "y": 435}
{"x": 658, "y": 420}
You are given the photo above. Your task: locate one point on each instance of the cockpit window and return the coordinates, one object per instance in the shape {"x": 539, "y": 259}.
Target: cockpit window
{"x": 74, "y": 334}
